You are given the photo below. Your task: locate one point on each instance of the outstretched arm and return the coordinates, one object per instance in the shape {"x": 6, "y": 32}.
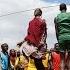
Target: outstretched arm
{"x": 20, "y": 43}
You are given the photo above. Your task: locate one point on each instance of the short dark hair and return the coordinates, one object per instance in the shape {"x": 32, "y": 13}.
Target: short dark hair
{"x": 56, "y": 46}
{"x": 38, "y": 12}
{"x": 4, "y": 45}
{"x": 63, "y": 7}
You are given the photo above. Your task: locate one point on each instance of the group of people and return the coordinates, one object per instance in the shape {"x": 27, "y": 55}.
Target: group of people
{"x": 35, "y": 55}
{"x": 15, "y": 60}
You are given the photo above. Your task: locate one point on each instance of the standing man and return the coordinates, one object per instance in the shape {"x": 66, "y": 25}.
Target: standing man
{"x": 62, "y": 26}
{"x": 35, "y": 39}
{"x": 4, "y": 57}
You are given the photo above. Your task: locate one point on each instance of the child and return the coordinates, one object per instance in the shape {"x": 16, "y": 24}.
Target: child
{"x": 55, "y": 58}
{"x": 4, "y": 56}
{"x": 12, "y": 56}
{"x": 21, "y": 62}
{"x": 46, "y": 61}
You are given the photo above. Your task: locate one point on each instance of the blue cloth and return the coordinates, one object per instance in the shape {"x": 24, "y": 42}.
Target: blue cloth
{"x": 4, "y": 61}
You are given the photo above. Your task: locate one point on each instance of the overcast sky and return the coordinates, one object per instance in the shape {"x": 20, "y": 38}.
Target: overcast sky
{"x": 13, "y": 28}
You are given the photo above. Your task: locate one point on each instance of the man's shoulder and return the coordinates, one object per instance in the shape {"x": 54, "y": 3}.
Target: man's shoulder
{"x": 68, "y": 13}
{"x": 62, "y": 15}
{"x": 1, "y": 54}
{"x": 32, "y": 21}
{"x": 65, "y": 13}
{"x": 36, "y": 21}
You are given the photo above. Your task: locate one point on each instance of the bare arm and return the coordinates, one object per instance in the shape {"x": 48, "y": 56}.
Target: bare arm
{"x": 20, "y": 43}
{"x": 56, "y": 27}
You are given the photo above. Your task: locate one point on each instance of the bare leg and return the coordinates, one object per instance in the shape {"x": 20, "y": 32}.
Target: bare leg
{"x": 68, "y": 61}
{"x": 38, "y": 61}
{"x": 62, "y": 61}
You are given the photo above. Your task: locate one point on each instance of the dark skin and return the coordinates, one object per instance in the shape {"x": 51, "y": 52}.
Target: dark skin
{"x": 56, "y": 28}
{"x": 12, "y": 53}
{"x": 18, "y": 53}
{"x": 37, "y": 14}
{"x": 55, "y": 49}
{"x": 4, "y": 48}
{"x": 20, "y": 43}
{"x": 65, "y": 55}
{"x": 62, "y": 8}
{"x": 45, "y": 33}
{"x": 50, "y": 61}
